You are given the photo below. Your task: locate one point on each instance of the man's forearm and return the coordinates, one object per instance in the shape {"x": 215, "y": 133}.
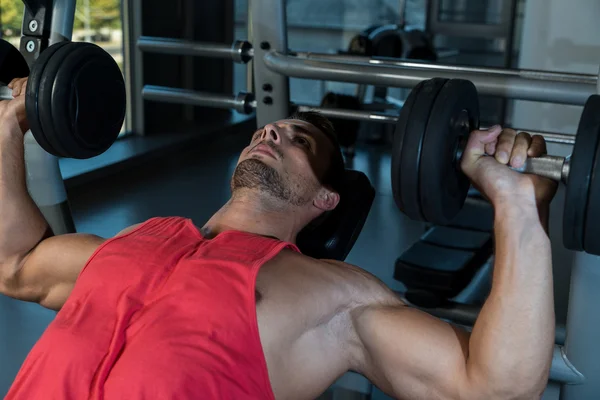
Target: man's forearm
{"x": 512, "y": 341}
{"x": 22, "y": 225}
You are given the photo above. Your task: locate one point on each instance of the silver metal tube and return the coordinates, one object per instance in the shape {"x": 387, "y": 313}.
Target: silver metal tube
{"x": 269, "y": 33}
{"x": 63, "y": 17}
{"x": 5, "y": 93}
{"x": 562, "y": 370}
{"x": 583, "y": 326}
{"x": 505, "y": 86}
{"x": 240, "y": 52}
{"x": 546, "y": 76}
{"x": 352, "y": 114}
{"x": 241, "y": 103}
{"x": 134, "y": 71}
{"x": 551, "y": 167}
{"x": 560, "y": 138}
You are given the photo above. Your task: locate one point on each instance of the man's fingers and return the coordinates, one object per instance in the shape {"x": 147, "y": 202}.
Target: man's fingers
{"x": 478, "y": 140}
{"x": 18, "y": 86}
{"x": 520, "y": 149}
{"x": 505, "y": 145}
{"x": 490, "y": 148}
{"x": 537, "y": 147}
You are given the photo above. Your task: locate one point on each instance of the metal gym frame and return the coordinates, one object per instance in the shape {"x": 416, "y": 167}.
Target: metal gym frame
{"x": 576, "y": 358}
{"x": 46, "y": 22}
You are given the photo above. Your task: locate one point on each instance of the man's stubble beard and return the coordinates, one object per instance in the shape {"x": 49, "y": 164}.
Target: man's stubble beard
{"x": 254, "y": 174}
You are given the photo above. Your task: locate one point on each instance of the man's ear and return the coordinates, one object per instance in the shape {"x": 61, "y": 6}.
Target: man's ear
{"x": 326, "y": 200}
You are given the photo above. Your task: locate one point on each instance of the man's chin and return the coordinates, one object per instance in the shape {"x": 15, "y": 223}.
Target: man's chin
{"x": 254, "y": 173}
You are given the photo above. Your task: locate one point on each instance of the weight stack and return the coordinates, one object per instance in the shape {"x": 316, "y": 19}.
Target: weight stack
{"x": 46, "y": 187}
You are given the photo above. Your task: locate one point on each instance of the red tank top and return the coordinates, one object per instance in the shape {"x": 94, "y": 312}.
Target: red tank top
{"x": 158, "y": 313}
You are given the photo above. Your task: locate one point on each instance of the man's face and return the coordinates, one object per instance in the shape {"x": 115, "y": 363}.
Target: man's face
{"x": 284, "y": 160}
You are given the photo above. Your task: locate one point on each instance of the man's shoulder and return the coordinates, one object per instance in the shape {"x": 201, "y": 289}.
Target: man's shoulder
{"x": 358, "y": 283}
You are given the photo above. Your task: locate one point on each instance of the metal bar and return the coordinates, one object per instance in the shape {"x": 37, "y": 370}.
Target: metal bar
{"x": 583, "y": 326}
{"x": 562, "y": 370}
{"x": 135, "y": 69}
{"x": 510, "y": 87}
{"x": 551, "y": 167}
{"x": 269, "y": 32}
{"x": 63, "y": 18}
{"x": 352, "y": 114}
{"x": 239, "y": 52}
{"x": 560, "y": 138}
{"x": 44, "y": 180}
{"x": 250, "y": 38}
{"x": 532, "y": 74}
{"x": 243, "y": 102}
{"x": 5, "y": 93}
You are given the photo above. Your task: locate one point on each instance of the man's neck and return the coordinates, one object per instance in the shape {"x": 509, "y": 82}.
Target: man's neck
{"x": 248, "y": 213}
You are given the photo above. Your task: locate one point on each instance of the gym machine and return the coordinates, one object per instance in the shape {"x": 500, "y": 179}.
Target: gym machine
{"x": 74, "y": 100}
{"x": 575, "y": 358}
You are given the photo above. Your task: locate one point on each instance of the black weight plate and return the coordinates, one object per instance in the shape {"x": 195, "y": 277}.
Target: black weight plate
{"x": 45, "y": 99}
{"x": 398, "y": 142}
{"x": 89, "y": 101}
{"x": 443, "y": 185}
{"x": 32, "y": 97}
{"x": 407, "y": 145}
{"x": 591, "y": 237}
{"x": 12, "y": 63}
{"x": 64, "y": 134}
{"x": 589, "y": 128}
{"x": 580, "y": 174}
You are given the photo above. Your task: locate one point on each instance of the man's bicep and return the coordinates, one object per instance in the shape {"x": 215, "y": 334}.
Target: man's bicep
{"x": 410, "y": 354}
{"x": 47, "y": 274}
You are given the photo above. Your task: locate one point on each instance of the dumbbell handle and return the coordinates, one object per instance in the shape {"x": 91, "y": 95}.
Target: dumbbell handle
{"x": 5, "y": 92}
{"x": 551, "y": 167}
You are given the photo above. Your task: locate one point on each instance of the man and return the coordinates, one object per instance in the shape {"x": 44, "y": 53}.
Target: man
{"x": 234, "y": 311}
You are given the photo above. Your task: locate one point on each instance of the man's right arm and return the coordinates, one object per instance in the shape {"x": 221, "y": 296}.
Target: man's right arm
{"x": 34, "y": 265}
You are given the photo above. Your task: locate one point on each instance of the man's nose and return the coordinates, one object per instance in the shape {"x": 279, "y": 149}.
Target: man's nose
{"x": 271, "y": 132}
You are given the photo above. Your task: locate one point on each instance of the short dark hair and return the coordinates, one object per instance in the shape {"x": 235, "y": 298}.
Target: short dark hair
{"x": 334, "y": 175}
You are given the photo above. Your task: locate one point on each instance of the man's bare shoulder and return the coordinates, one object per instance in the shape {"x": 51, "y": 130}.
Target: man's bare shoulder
{"x": 364, "y": 287}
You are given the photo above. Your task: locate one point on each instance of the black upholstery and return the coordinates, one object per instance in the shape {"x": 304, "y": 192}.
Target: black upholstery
{"x": 333, "y": 236}
{"x": 443, "y": 262}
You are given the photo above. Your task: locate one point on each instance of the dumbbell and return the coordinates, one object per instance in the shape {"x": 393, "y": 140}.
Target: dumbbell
{"x": 429, "y": 185}
{"x": 75, "y": 97}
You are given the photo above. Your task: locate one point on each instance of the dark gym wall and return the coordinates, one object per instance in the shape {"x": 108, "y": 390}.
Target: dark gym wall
{"x": 202, "y": 21}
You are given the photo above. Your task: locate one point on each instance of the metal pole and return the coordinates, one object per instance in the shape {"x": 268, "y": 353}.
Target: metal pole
{"x": 134, "y": 70}
{"x": 269, "y": 33}
{"x": 583, "y": 326}
{"x": 562, "y": 370}
{"x": 517, "y": 73}
{"x": 239, "y": 51}
{"x": 63, "y": 18}
{"x": 560, "y": 138}
{"x": 243, "y": 102}
{"x": 44, "y": 179}
{"x": 250, "y": 38}
{"x": 510, "y": 87}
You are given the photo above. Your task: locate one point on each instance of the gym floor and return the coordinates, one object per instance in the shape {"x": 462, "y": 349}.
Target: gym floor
{"x": 195, "y": 184}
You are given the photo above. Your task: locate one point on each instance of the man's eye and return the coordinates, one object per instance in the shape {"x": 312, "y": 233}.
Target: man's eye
{"x": 302, "y": 141}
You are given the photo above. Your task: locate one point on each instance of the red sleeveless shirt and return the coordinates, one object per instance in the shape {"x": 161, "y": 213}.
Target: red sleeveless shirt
{"x": 157, "y": 313}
